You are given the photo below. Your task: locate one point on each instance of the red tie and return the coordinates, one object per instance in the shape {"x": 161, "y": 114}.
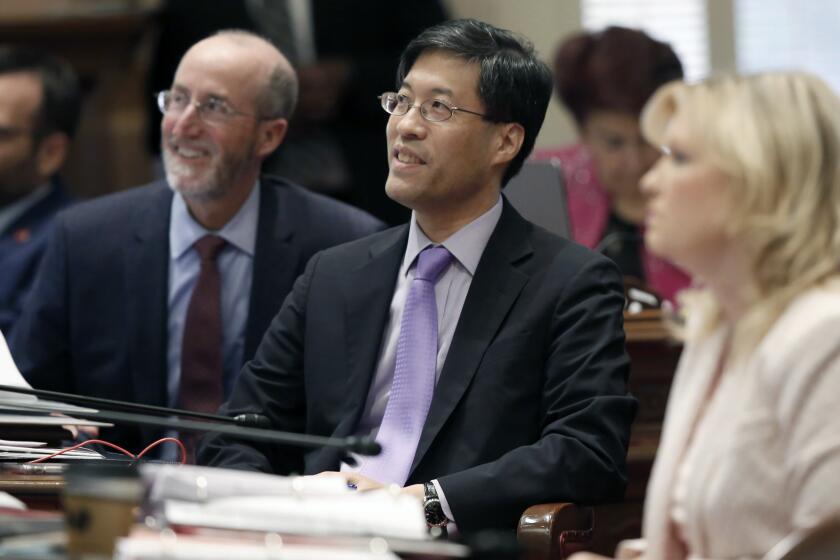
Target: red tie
{"x": 201, "y": 350}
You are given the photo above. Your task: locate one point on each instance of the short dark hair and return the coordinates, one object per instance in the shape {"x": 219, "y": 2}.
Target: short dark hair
{"x": 61, "y": 103}
{"x": 616, "y": 69}
{"x": 513, "y": 84}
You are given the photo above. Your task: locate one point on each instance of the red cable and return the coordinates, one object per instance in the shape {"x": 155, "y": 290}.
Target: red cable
{"x": 163, "y": 440}
{"x": 118, "y": 448}
{"x": 82, "y": 444}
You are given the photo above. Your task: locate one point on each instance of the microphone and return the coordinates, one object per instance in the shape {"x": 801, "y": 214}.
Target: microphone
{"x": 251, "y": 426}
{"x": 252, "y": 420}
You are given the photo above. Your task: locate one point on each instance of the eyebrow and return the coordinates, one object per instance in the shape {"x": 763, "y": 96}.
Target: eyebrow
{"x": 437, "y": 91}
{"x": 216, "y": 96}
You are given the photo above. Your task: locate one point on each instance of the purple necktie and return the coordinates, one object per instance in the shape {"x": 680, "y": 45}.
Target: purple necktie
{"x": 414, "y": 374}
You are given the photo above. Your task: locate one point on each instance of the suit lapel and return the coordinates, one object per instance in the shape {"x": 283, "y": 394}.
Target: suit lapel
{"x": 494, "y": 289}
{"x": 368, "y": 293}
{"x": 275, "y": 262}
{"x": 146, "y": 266}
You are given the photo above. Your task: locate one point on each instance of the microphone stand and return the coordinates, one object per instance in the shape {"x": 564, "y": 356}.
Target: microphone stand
{"x": 242, "y": 427}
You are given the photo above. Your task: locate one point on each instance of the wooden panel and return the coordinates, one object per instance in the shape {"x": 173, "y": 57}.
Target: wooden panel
{"x": 107, "y": 44}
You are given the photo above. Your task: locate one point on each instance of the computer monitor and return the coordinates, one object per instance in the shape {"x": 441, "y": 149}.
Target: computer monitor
{"x": 537, "y": 192}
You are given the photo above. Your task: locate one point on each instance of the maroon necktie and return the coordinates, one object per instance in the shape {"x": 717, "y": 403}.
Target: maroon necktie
{"x": 201, "y": 350}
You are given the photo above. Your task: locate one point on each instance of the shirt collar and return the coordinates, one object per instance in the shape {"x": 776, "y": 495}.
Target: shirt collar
{"x": 240, "y": 231}
{"x": 466, "y": 245}
{"x": 10, "y": 213}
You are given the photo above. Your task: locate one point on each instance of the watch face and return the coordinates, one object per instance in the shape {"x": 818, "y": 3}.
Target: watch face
{"x": 434, "y": 513}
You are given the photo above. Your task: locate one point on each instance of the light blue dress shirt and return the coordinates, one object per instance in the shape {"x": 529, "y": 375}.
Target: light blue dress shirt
{"x": 236, "y": 265}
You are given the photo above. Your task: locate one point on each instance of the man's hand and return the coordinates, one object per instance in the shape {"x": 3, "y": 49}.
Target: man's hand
{"x": 353, "y": 480}
{"x": 364, "y": 484}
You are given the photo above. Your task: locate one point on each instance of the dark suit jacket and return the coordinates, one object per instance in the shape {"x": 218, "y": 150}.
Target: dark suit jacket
{"x": 21, "y": 248}
{"x": 531, "y": 405}
{"x": 97, "y": 323}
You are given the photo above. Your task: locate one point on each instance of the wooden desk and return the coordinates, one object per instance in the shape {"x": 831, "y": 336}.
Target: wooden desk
{"x": 41, "y": 492}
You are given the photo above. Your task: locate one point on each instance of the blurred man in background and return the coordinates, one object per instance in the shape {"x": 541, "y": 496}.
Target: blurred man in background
{"x": 39, "y": 110}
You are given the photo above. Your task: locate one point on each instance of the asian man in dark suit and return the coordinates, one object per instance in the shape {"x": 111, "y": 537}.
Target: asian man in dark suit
{"x": 485, "y": 354}
{"x": 158, "y": 295}
{"x": 39, "y": 110}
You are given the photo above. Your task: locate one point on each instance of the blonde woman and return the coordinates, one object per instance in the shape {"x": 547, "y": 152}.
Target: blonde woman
{"x": 746, "y": 197}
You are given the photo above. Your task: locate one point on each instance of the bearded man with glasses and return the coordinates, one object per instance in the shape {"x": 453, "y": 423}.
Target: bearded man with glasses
{"x": 484, "y": 354}
{"x": 158, "y": 295}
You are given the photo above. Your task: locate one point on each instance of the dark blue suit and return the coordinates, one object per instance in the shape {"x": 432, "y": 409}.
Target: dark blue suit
{"x": 21, "y": 248}
{"x": 97, "y": 323}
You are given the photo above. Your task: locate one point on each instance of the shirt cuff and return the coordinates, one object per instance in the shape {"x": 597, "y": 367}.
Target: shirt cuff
{"x": 443, "y": 503}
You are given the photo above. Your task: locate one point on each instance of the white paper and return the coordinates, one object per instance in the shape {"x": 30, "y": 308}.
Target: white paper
{"x": 201, "y": 484}
{"x": 231, "y": 499}
{"x": 33, "y": 420}
{"x": 375, "y": 513}
{"x": 23, "y": 443}
{"x": 10, "y": 374}
{"x": 9, "y": 501}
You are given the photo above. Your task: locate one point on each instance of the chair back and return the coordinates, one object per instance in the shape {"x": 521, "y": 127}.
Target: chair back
{"x": 537, "y": 192}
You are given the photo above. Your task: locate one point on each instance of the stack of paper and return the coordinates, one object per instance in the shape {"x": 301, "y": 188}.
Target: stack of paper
{"x": 207, "y": 513}
{"x": 229, "y": 499}
{"x": 25, "y": 417}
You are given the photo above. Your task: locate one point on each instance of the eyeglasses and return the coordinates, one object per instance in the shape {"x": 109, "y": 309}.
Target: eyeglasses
{"x": 212, "y": 110}
{"x": 432, "y": 110}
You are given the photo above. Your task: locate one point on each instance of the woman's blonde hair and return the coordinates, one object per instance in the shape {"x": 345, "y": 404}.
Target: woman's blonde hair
{"x": 777, "y": 137}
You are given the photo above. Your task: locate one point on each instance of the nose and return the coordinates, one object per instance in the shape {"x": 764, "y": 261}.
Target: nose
{"x": 187, "y": 123}
{"x": 410, "y": 125}
{"x": 649, "y": 181}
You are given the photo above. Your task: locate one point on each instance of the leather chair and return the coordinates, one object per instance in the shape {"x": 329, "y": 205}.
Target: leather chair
{"x": 555, "y": 531}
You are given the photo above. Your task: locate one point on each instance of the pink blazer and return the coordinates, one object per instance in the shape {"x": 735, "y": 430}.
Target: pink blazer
{"x": 589, "y": 210}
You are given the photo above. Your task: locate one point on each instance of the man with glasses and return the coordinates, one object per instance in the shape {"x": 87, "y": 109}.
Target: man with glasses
{"x": 484, "y": 354}
{"x": 158, "y": 295}
{"x": 39, "y": 110}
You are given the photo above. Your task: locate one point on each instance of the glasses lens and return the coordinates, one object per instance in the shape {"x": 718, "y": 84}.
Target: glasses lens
{"x": 435, "y": 110}
{"x": 172, "y": 101}
{"x": 390, "y": 103}
{"x": 215, "y": 111}
{"x": 163, "y": 101}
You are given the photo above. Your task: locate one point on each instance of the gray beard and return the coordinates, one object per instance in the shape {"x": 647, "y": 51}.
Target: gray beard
{"x": 218, "y": 184}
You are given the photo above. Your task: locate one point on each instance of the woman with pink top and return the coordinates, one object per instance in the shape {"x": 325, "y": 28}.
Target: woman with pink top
{"x": 604, "y": 79}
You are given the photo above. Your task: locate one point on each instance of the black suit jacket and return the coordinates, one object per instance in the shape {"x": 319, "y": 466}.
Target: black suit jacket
{"x": 531, "y": 404}
{"x": 97, "y": 320}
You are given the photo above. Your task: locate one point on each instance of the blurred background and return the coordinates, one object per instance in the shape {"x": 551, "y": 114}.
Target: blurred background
{"x": 112, "y": 44}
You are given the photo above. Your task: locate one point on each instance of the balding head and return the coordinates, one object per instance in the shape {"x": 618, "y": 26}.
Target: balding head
{"x": 274, "y": 79}
{"x": 227, "y": 110}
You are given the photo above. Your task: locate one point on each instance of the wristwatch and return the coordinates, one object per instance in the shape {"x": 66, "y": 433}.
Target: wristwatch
{"x": 432, "y": 508}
